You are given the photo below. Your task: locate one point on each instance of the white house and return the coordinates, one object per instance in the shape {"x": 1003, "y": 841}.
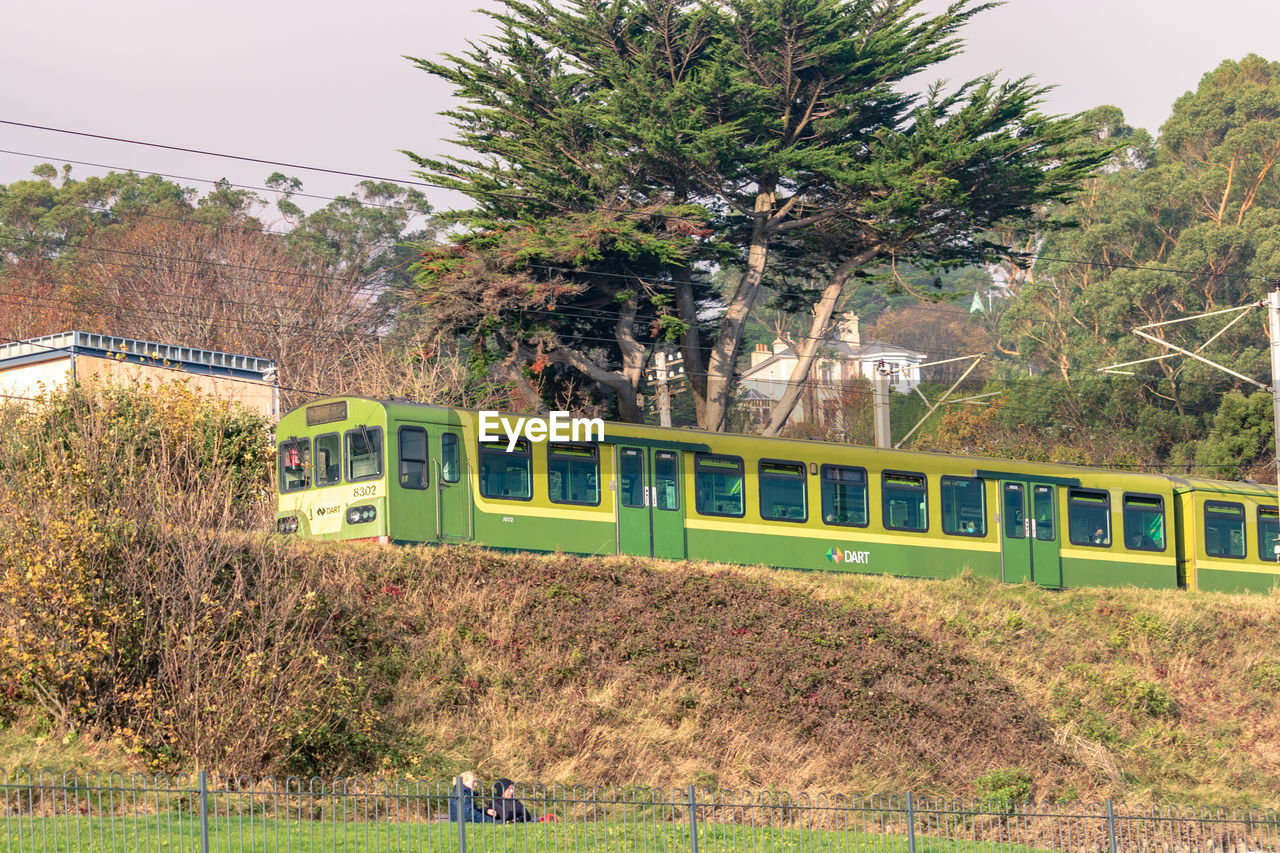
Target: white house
{"x": 844, "y": 357}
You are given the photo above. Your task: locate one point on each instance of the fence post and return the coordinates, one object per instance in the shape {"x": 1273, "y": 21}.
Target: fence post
{"x": 1111, "y": 828}
{"x": 204, "y": 812}
{"x": 464, "y": 816}
{"x": 693, "y": 819}
{"x": 911, "y": 823}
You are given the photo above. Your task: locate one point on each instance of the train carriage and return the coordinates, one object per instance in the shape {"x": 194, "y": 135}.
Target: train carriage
{"x": 393, "y": 471}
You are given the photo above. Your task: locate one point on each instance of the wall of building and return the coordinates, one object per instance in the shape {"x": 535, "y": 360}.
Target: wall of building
{"x": 30, "y": 380}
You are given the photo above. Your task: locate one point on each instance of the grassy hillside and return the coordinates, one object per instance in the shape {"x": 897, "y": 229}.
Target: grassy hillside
{"x": 620, "y": 670}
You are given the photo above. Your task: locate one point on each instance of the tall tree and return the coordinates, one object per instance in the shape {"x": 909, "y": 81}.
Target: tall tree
{"x": 786, "y": 121}
{"x": 1188, "y": 225}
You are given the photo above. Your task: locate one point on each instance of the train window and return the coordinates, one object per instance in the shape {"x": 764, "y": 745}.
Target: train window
{"x": 413, "y": 458}
{"x": 364, "y": 453}
{"x": 1268, "y": 533}
{"x": 505, "y": 474}
{"x": 1144, "y": 522}
{"x": 666, "y": 479}
{"x": 1224, "y": 529}
{"x": 631, "y": 477}
{"x": 718, "y": 484}
{"x": 1042, "y": 497}
{"x": 1089, "y": 518}
{"x": 904, "y": 501}
{"x": 450, "y": 464}
{"x": 573, "y": 474}
{"x": 1015, "y": 516}
{"x": 782, "y": 491}
{"x": 295, "y": 464}
{"x": 964, "y": 510}
{"x": 328, "y": 459}
{"x": 844, "y": 496}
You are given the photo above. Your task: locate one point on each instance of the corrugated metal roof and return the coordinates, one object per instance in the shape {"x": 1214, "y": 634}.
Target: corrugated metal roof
{"x": 110, "y": 345}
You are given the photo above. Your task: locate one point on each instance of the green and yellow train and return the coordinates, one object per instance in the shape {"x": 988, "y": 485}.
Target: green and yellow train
{"x": 397, "y": 472}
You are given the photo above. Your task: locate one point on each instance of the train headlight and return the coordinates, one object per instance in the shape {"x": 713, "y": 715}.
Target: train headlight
{"x": 361, "y": 514}
{"x": 288, "y": 524}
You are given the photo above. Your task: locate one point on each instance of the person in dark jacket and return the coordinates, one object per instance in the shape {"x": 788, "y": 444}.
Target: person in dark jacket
{"x": 462, "y": 802}
{"x": 505, "y": 806}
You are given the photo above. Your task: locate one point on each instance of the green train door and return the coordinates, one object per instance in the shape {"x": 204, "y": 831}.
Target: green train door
{"x": 453, "y": 503}
{"x": 650, "y": 504}
{"x": 1029, "y": 533}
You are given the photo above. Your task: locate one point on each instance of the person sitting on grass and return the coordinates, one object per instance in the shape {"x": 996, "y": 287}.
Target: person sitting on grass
{"x": 462, "y": 802}
{"x": 506, "y": 808}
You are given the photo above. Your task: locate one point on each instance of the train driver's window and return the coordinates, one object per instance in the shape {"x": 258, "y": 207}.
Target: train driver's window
{"x": 844, "y": 496}
{"x": 904, "y": 501}
{"x": 718, "y": 484}
{"x": 1144, "y": 522}
{"x": 573, "y": 474}
{"x": 294, "y": 458}
{"x": 782, "y": 491}
{"x": 1268, "y": 533}
{"x": 1089, "y": 518}
{"x": 413, "y": 458}
{"x": 1224, "y": 529}
{"x": 364, "y": 453}
{"x": 328, "y": 459}
{"x": 963, "y": 507}
{"x": 505, "y": 474}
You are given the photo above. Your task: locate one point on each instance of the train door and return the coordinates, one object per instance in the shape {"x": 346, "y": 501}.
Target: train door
{"x": 1029, "y": 533}
{"x": 650, "y": 502}
{"x": 453, "y": 503}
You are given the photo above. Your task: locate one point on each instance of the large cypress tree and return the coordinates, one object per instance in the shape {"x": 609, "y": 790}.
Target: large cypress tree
{"x": 630, "y": 140}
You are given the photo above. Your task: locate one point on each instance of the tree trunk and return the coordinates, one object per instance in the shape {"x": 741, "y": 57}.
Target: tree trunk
{"x": 725, "y": 351}
{"x": 822, "y": 313}
{"x": 695, "y": 370}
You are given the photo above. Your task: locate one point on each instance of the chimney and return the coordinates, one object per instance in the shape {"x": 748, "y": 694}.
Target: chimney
{"x": 779, "y": 346}
{"x": 849, "y": 331}
{"x": 760, "y": 355}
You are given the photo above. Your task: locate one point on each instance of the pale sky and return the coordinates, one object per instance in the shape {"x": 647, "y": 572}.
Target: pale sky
{"x": 322, "y": 83}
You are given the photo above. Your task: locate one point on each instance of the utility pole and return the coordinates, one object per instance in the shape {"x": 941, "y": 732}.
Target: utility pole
{"x": 1273, "y": 314}
{"x": 880, "y": 405}
{"x": 662, "y": 373}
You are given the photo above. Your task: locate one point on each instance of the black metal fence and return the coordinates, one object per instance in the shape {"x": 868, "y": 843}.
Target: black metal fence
{"x": 205, "y": 813}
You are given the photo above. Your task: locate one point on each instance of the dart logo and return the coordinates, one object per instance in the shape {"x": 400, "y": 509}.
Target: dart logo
{"x": 844, "y": 555}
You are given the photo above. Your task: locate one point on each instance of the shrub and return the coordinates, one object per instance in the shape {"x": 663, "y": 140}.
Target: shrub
{"x": 1007, "y": 785}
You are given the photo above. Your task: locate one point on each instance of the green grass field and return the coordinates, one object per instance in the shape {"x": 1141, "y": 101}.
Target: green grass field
{"x": 247, "y": 834}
